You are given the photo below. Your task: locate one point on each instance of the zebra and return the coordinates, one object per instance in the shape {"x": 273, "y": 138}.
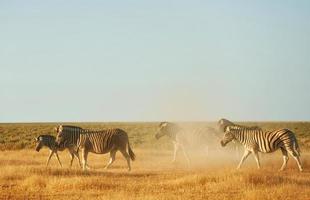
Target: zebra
{"x": 255, "y": 140}
{"x": 224, "y": 123}
{"x": 50, "y": 142}
{"x": 99, "y": 142}
{"x": 182, "y": 139}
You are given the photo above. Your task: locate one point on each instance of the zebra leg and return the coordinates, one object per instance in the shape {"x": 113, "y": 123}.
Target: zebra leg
{"x": 58, "y": 158}
{"x": 236, "y": 149}
{"x": 112, "y": 158}
{"x": 298, "y": 163}
{"x": 72, "y": 158}
{"x": 176, "y": 150}
{"x": 84, "y": 156}
{"x": 127, "y": 157}
{"x": 49, "y": 157}
{"x": 186, "y": 156}
{"x": 285, "y": 159}
{"x": 76, "y": 154}
{"x": 296, "y": 157}
{"x": 245, "y": 155}
{"x": 256, "y": 156}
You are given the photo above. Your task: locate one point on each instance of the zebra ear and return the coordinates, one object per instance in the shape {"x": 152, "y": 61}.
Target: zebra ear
{"x": 35, "y": 139}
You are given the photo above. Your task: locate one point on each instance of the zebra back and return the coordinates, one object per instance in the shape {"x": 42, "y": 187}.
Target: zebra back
{"x": 195, "y": 136}
{"x": 101, "y": 141}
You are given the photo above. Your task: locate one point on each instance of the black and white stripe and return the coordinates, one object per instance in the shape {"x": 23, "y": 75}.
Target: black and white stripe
{"x": 224, "y": 123}
{"x": 256, "y": 140}
{"x": 49, "y": 141}
{"x": 99, "y": 142}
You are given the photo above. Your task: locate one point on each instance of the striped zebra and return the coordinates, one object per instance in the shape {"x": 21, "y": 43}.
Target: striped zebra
{"x": 224, "y": 123}
{"x": 99, "y": 142}
{"x": 184, "y": 140}
{"x": 255, "y": 140}
{"x": 49, "y": 141}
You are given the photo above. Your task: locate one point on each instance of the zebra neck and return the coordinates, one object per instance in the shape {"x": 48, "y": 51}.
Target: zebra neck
{"x": 73, "y": 138}
{"x": 48, "y": 145}
{"x": 173, "y": 136}
{"x": 170, "y": 132}
{"x": 239, "y": 136}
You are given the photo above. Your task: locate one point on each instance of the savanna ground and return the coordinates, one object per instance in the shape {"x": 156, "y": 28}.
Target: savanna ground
{"x": 23, "y": 174}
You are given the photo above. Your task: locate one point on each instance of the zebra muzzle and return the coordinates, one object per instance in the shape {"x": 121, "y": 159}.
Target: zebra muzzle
{"x": 223, "y": 144}
{"x": 38, "y": 149}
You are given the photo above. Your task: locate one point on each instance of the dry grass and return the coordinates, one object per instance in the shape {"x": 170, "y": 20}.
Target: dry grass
{"x": 23, "y": 176}
{"x": 15, "y": 136}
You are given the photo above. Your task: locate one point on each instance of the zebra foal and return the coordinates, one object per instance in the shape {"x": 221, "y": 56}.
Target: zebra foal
{"x": 255, "y": 140}
{"x": 49, "y": 141}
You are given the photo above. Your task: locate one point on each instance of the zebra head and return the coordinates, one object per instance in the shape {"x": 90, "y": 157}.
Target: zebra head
{"x": 223, "y": 123}
{"x": 161, "y": 130}
{"x": 39, "y": 142}
{"x": 228, "y": 137}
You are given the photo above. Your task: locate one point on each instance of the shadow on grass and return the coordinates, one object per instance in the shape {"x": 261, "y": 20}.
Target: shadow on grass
{"x": 274, "y": 179}
{"x": 89, "y": 173}
{"x": 18, "y": 162}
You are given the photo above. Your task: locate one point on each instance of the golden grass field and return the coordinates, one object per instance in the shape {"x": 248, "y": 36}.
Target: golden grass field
{"x": 23, "y": 174}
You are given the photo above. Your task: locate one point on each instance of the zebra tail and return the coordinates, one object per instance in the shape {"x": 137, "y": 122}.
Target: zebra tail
{"x": 131, "y": 153}
{"x": 297, "y": 148}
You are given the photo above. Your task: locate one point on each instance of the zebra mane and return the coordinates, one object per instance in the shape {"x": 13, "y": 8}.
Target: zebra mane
{"x": 224, "y": 124}
{"x": 71, "y": 127}
{"x": 248, "y": 127}
{"x": 239, "y": 127}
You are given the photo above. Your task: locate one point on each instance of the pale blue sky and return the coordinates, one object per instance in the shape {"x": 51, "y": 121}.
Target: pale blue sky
{"x": 154, "y": 60}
